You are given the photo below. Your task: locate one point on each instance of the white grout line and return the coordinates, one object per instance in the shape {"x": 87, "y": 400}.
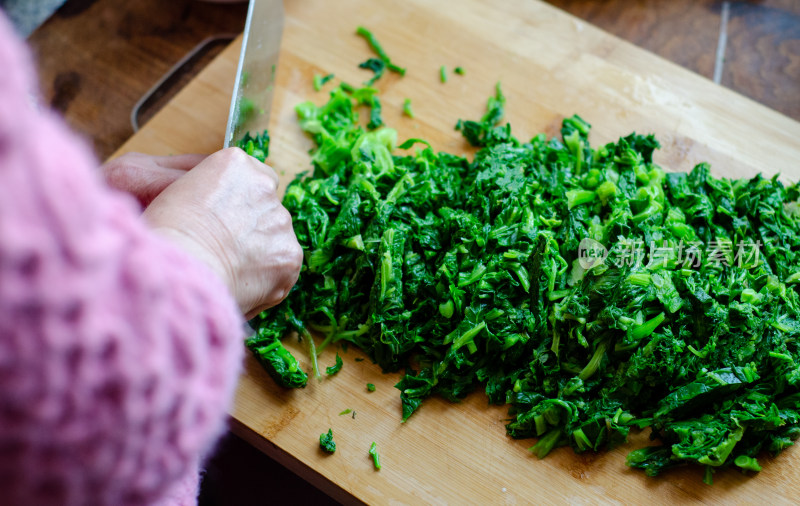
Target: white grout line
{"x": 723, "y": 40}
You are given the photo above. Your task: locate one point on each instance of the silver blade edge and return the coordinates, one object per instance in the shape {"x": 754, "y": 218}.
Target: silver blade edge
{"x": 251, "y": 100}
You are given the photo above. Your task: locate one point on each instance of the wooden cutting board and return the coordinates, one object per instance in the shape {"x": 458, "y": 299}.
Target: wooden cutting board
{"x": 551, "y": 65}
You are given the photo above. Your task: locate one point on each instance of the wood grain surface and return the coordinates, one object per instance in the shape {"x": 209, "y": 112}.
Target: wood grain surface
{"x": 551, "y": 65}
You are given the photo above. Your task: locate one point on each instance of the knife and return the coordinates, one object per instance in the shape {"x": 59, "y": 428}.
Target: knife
{"x": 251, "y": 101}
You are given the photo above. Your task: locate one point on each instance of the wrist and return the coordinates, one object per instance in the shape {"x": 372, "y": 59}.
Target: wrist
{"x": 191, "y": 246}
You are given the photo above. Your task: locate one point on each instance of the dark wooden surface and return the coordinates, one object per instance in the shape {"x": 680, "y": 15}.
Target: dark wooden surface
{"x": 762, "y": 54}
{"x": 96, "y": 59}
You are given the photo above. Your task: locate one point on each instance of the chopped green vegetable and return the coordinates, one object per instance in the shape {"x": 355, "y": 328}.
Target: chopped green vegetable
{"x": 443, "y": 74}
{"x": 346, "y": 412}
{"x": 747, "y": 463}
{"x": 370, "y": 387}
{"x": 257, "y": 147}
{"x": 375, "y": 45}
{"x": 459, "y": 71}
{"x": 375, "y": 119}
{"x": 473, "y": 274}
{"x": 373, "y": 451}
{"x": 319, "y": 81}
{"x": 369, "y": 96}
{"x": 326, "y": 442}
{"x": 407, "y": 108}
{"x": 377, "y": 66}
{"x": 278, "y": 362}
{"x": 486, "y": 132}
{"x": 330, "y": 371}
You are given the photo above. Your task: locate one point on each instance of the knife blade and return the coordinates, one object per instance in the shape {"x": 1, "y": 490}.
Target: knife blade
{"x": 251, "y": 100}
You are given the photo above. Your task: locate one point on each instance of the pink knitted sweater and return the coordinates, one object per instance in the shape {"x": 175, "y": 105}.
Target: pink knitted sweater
{"x": 118, "y": 352}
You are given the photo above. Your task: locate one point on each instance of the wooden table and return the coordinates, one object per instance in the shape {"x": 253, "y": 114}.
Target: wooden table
{"x": 276, "y": 430}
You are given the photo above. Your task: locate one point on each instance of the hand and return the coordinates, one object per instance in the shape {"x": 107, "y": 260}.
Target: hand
{"x": 226, "y": 211}
{"x": 146, "y": 176}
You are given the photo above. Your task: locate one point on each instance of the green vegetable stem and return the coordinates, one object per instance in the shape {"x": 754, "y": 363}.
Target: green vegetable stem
{"x": 373, "y": 452}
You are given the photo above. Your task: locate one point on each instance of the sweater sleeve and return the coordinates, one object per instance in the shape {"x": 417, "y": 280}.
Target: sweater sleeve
{"x": 118, "y": 352}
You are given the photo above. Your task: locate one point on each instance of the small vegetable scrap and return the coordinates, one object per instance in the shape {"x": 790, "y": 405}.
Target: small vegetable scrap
{"x": 330, "y": 371}
{"x": 407, "y": 108}
{"x": 584, "y": 286}
{"x": 326, "y": 442}
{"x": 376, "y": 46}
{"x": 370, "y": 387}
{"x": 346, "y": 412}
{"x": 376, "y": 65}
{"x": 373, "y": 451}
{"x": 443, "y": 74}
{"x": 319, "y": 81}
{"x": 459, "y": 70}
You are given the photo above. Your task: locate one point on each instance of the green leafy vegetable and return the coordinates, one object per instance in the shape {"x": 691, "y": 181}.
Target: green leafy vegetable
{"x": 486, "y": 132}
{"x": 370, "y": 387}
{"x": 373, "y": 452}
{"x": 257, "y": 147}
{"x": 375, "y": 45}
{"x": 459, "y": 71}
{"x": 319, "y": 81}
{"x": 330, "y": 371}
{"x": 369, "y": 96}
{"x": 278, "y": 362}
{"x": 376, "y": 65}
{"x": 326, "y": 442}
{"x": 346, "y": 412}
{"x": 747, "y": 463}
{"x": 407, "y": 108}
{"x": 472, "y": 274}
{"x": 443, "y": 74}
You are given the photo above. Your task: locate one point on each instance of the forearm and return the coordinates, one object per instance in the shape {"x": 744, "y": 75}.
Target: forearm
{"x": 118, "y": 351}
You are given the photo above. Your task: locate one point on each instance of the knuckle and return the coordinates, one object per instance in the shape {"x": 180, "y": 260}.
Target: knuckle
{"x": 232, "y": 158}
{"x": 267, "y": 169}
{"x": 234, "y": 153}
{"x": 270, "y": 185}
{"x": 116, "y": 171}
{"x": 296, "y": 255}
{"x": 267, "y": 175}
{"x": 284, "y": 219}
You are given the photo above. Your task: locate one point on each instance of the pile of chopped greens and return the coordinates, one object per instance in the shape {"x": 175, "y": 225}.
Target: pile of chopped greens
{"x": 470, "y": 274}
